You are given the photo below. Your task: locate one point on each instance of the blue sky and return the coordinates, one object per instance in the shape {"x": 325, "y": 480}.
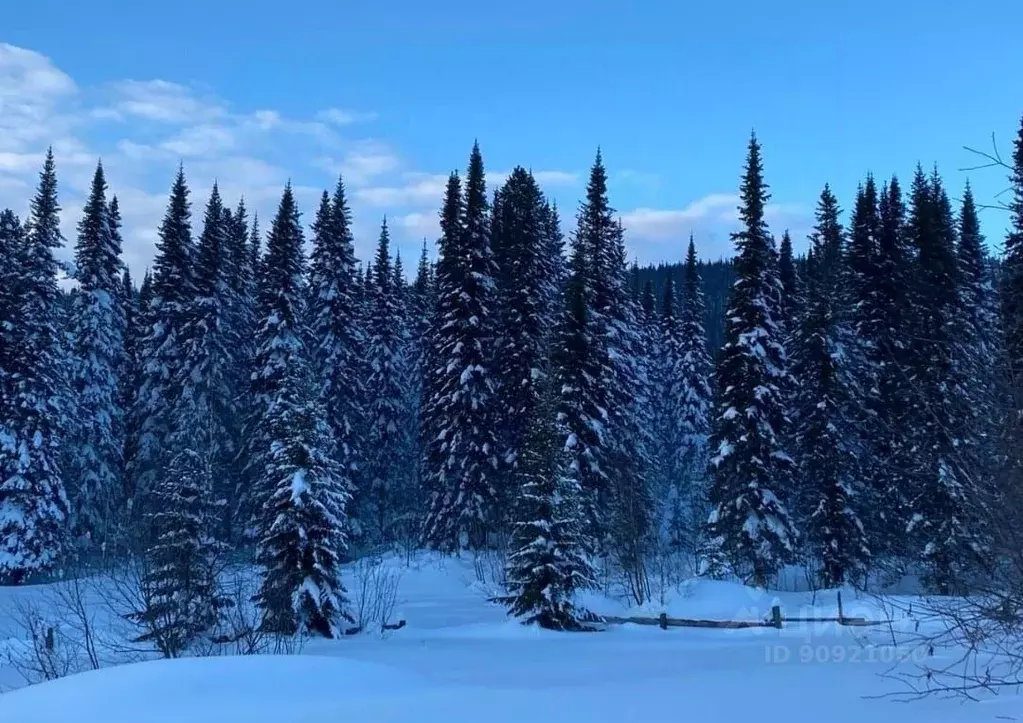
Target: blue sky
{"x": 393, "y": 94}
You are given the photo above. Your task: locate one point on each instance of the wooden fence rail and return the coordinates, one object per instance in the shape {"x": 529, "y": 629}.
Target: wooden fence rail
{"x": 777, "y": 620}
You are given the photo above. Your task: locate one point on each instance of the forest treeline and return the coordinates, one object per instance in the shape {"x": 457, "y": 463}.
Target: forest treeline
{"x": 528, "y": 392}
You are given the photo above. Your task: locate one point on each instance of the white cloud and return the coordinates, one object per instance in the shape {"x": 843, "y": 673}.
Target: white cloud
{"x": 556, "y": 178}
{"x": 341, "y": 117}
{"x": 418, "y": 225}
{"x": 418, "y": 189}
{"x": 366, "y": 161}
{"x": 32, "y": 90}
{"x": 201, "y": 141}
{"x": 543, "y": 178}
{"x": 162, "y": 101}
{"x": 656, "y": 235}
{"x": 142, "y": 130}
{"x": 21, "y": 68}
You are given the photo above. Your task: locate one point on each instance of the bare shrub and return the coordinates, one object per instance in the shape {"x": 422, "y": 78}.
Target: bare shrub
{"x": 44, "y": 651}
{"x": 374, "y": 593}
{"x": 238, "y": 632}
{"x": 490, "y": 568}
{"x": 59, "y": 633}
{"x": 671, "y": 568}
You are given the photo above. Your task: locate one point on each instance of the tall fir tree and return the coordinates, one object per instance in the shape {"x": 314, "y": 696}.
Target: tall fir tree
{"x": 96, "y": 459}
{"x": 691, "y": 392}
{"x": 554, "y": 252}
{"x": 12, "y": 250}
{"x": 301, "y": 522}
{"x": 163, "y": 348}
{"x": 549, "y": 561}
{"x": 431, "y": 413}
{"x": 238, "y": 291}
{"x": 825, "y": 410}
{"x": 387, "y": 482}
{"x": 584, "y": 363}
{"x": 523, "y": 294}
{"x": 34, "y": 506}
{"x": 789, "y": 279}
{"x": 179, "y": 583}
{"x": 465, "y": 513}
{"x": 1012, "y": 276}
{"x": 130, "y": 375}
{"x": 977, "y": 362}
{"x": 209, "y": 389}
{"x": 750, "y": 523}
{"x": 336, "y": 330}
{"x": 940, "y": 524}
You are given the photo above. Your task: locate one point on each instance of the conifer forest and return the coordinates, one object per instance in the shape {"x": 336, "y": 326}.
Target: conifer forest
{"x": 263, "y": 397}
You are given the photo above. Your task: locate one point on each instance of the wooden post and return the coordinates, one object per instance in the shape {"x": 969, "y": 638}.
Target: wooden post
{"x": 841, "y": 617}
{"x": 663, "y": 621}
{"x": 776, "y": 616}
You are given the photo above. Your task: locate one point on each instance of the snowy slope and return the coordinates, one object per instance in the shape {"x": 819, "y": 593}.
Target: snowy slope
{"x": 460, "y": 659}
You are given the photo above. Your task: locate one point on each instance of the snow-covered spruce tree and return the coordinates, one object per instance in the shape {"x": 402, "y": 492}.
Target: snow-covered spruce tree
{"x": 12, "y": 249}
{"x": 548, "y": 561}
{"x": 977, "y": 357}
{"x": 883, "y": 326}
{"x": 579, "y": 415}
{"x": 554, "y": 251}
{"x": 669, "y": 404}
{"x": 209, "y": 365}
{"x": 830, "y": 499}
{"x": 238, "y": 294}
{"x": 524, "y": 291}
{"x": 33, "y": 504}
{"x": 163, "y": 348}
{"x": 95, "y": 472}
{"x": 463, "y": 511}
{"x": 584, "y": 354}
{"x": 631, "y": 422}
{"x": 789, "y": 280}
{"x": 422, "y": 301}
{"x": 941, "y": 524}
{"x": 387, "y": 480}
{"x": 136, "y": 328}
{"x": 690, "y": 389}
{"x": 1012, "y": 279}
{"x": 301, "y": 523}
{"x": 335, "y": 326}
{"x": 750, "y": 471}
{"x": 180, "y": 594}
{"x": 430, "y": 417}
{"x": 866, "y": 316}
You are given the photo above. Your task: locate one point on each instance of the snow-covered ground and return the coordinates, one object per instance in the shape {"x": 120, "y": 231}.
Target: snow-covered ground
{"x": 459, "y": 658}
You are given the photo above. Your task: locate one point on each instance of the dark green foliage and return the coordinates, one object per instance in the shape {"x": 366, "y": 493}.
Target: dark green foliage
{"x": 163, "y": 349}
{"x": 464, "y": 452}
{"x": 336, "y": 330}
{"x": 750, "y": 522}
{"x": 33, "y": 504}
{"x": 302, "y": 495}
{"x": 548, "y": 562}
{"x": 826, "y": 411}
{"x": 95, "y": 452}
{"x": 524, "y": 296}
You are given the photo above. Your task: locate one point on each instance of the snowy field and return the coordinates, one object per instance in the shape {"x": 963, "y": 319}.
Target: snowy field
{"x": 460, "y": 659}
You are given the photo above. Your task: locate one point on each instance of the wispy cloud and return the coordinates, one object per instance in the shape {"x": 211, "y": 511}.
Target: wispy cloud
{"x": 143, "y": 128}
{"x": 342, "y": 117}
{"x": 662, "y": 234}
